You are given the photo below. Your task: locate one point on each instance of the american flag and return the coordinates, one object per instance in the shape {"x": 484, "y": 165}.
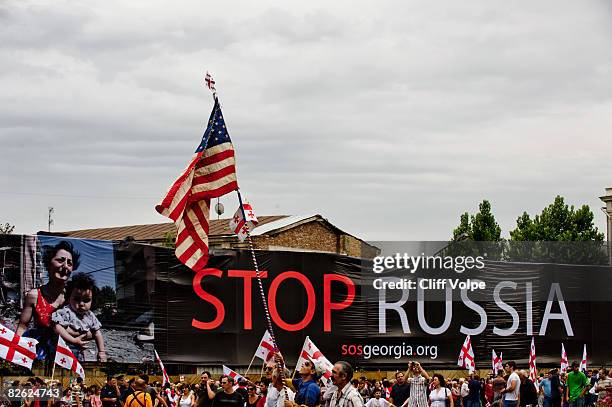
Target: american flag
{"x": 211, "y": 173}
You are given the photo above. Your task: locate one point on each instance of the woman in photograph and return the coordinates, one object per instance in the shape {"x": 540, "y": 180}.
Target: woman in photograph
{"x": 440, "y": 394}
{"x": 41, "y": 302}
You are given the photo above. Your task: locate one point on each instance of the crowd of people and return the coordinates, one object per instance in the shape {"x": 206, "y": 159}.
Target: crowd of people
{"x": 311, "y": 387}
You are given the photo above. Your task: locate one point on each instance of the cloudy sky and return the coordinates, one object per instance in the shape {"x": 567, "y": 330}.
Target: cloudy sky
{"x": 389, "y": 118}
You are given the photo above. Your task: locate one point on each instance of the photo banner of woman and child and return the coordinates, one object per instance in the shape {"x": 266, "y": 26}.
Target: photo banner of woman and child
{"x": 94, "y": 294}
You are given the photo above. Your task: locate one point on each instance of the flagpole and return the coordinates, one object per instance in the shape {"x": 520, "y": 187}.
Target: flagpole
{"x": 250, "y": 364}
{"x": 261, "y": 290}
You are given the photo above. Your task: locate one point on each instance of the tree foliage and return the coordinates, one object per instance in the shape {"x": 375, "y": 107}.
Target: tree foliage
{"x": 481, "y": 227}
{"x": 558, "y": 222}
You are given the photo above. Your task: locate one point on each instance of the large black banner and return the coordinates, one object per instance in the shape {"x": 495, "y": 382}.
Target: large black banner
{"x": 376, "y": 313}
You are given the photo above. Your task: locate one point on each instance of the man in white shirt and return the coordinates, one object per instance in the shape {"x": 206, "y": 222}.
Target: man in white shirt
{"x": 277, "y": 393}
{"x": 377, "y": 401}
{"x": 511, "y": 393}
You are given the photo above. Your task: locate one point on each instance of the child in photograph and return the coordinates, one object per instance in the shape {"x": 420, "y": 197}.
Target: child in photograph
{"x": 75, "y": 322}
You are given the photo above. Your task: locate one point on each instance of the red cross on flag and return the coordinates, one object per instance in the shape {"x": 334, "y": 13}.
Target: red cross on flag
{"x": 210, "y": 82}
{"x": 19, "y": 350}
{"x": 232, "y": 374}
{"x": 239, "y": 225}
{"x": 466, "y": 356}
{"x": 312, "y": 353}
{"x": 497, "y": 362}
{"x": 583, "y": 362}
{"x": 163, "y": 369}
{"x": 66, "y": 359}
{"x": 533, "y": 371}
{"x": 265, "y": 350}
{"x": 564, "y": 361}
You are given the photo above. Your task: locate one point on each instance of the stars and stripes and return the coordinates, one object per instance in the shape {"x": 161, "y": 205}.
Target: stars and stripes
{"x": 564, "y": 361}
{"x": 466, "y": 355}
{"x": 265, "y": 350}
{"x": 166, "y": 378}
{"x": 583, "y": 362}
{"x": 19, "y": 350}
{"x": 533, "y": 371}
{"x": 211, "y": 173}
{"x": 239, "y": 225}
{"x": 66, "y": 359}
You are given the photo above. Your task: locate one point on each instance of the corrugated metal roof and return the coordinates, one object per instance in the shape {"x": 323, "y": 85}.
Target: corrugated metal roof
{"x": 156, "y": 231}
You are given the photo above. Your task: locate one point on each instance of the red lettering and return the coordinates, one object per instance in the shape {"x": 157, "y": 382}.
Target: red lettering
{"x": 248, "y": 276}
{"x": 328, "y": 305}
{"x": 309, "y": 293}
{"x": 197, "y": 287}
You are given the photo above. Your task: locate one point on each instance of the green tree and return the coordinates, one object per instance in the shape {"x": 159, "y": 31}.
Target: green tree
{"x": 558, "y": 222}
{"x": 481, "y": 227}
{"x": 6, "y": 229}
{"x": 559, "y": 234}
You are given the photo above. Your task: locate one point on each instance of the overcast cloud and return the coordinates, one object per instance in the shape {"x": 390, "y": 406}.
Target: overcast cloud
{"x": 390, "y": 118}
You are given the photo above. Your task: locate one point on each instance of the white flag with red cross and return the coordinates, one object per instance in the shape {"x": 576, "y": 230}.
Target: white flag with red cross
{"x": 166, "y": 378}
{"x": 583, "y": 362}
{"x": 229, "y": 372}
{"x": 239, "y": 225}
{"x": 312, "y": 353}
{"x": 564, "y": 361}
{"x": 265, "y": 351}
{"x": 533, "y": 370}
{"x": 66, "y": 359}
{"x": 19, "y": 350}
{"x": 497, "y": 362}
{"x": 466, "y": 356}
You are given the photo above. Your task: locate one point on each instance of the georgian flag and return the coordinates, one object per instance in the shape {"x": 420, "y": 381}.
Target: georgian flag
{"x": 229, "y": 372}
{"x": 466, "y": 356}
{"x": 19, "y": 350}
{"x": 564, "y": 361}
{"x": 161, "y": 365}
{"x": 312, "y": 353}
{"x": 583, "y": 362}
{"x": 66, "y": 359}
{"x": 497, "y": 362}
{"x": 533, "y": 371}
{"x": 239, "y": 225}
{"x": 265, "y": 351}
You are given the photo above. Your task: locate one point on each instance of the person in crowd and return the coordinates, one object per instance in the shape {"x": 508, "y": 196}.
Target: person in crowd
{"x": 363, "y": 389}
{"x": 387, "y": 387}
{"x": 528, "y": 394}
{"x": 577, "y": 385}
{"x": 264, "y": 384}
{"x": 474, "y": 391}
{"x": 440, "y": 394}
{"x": 139, "y": 398}
{"x": 418, "y": 380}
{"x": 488, "y": 391}
{"x": 456, "y": 392}
{"x": 41, "y": 302}
{"x": 241, "y": 389}
{"x": 253, "y": 398}
{"x": 308, "y": 392}
{"x": 110, "y": 393}
{"x": 546, "y": 390}
{"x": 377, "y": 400}
{"x": 128, "y": 390}
{"x": 95, "y": 400}
{"x": 184, "y": 397}
{"x": 346, "y": 395}
{"x": 556, "y": 390}
{"x": 513, "y": 385}
{"x": 228, "y": 397}
{"x": 76, "y": 321}
{"x": 400, "y": 391}
{"x": 603, "y": 388}
{"x": 206, "y": 392}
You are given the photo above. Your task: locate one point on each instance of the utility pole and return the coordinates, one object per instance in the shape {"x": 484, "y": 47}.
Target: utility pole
{"x": 50, "y": 221}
